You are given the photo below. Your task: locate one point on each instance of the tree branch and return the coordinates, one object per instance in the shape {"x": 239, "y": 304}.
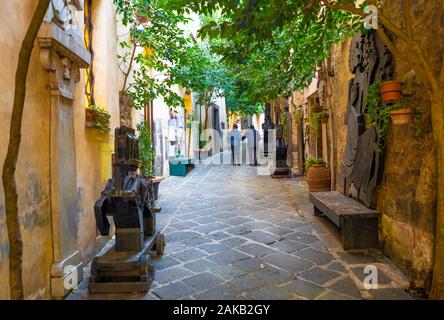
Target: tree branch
{"x": 423, "y": 68}
{"x": 408, "y": 18}
{"x": 126, "y": 75}
{"x": 344, "y": 6}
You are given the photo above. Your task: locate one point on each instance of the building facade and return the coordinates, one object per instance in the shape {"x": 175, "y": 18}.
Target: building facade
{"x": 63, "y": 163}
{"x": 400, "y": 182}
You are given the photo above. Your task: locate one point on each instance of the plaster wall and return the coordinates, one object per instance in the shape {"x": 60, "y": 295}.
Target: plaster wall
{"x": 92, "y": 149}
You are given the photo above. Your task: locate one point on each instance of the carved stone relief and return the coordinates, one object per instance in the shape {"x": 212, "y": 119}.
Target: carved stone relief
{"x": 62, "y": 13}
{"x": 370, "y": 61}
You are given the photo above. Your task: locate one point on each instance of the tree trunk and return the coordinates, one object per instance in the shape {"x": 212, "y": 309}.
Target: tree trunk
{"x": 437, "y": 291}
{"x": 9, "y": 167}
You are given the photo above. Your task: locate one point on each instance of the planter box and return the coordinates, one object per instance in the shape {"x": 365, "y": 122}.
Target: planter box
{"x": 180, "y": 167}
{"x": 92, "y": 118}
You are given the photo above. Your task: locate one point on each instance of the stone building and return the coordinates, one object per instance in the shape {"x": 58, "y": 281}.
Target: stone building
{"x": 63, "y": 163}
{"x": 65, "y": 160}
{"x": 401, "y": 185}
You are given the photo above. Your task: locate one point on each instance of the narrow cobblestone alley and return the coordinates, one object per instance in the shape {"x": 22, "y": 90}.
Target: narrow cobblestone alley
{"x": 232, "y": 234}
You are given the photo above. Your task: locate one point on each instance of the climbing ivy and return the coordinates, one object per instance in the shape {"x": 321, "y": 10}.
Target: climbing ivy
{"x": 315, "y": 119}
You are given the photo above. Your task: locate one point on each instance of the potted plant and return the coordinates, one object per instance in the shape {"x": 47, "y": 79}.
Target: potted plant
{"x": 147, "y": 156}
{"x": 316, "y": 118}
{"x": 390, "y": 91}
{"x": 97, "y": 117}
{"x": 400, "y": 114}
{"x": 318, "y": 175}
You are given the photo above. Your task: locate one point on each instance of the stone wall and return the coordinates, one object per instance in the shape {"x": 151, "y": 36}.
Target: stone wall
{"x": 92, "y": 149}
{"x": 406, "y": 198}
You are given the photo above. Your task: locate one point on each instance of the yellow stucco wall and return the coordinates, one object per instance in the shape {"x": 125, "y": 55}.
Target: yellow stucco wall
{"x": 93, "y": 150}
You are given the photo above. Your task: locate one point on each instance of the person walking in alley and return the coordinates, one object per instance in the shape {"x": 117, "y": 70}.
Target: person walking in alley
{"x": 252, "y": 136}
{"x": 235, "y": 138}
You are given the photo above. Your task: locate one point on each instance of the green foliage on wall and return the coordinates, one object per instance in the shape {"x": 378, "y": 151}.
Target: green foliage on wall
{"x": 103, "y": 118}
{"x": 315, "y": 119}
{"x": 146, "y": 151}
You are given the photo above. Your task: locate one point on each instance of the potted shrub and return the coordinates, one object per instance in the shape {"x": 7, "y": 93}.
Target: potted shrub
{"x": 316, "y": 118}
{"x": 147, "y": 156}
{"x": 391, "y": 91}
{"x": 97, "y": 117}
{"x": 318, "y": 175}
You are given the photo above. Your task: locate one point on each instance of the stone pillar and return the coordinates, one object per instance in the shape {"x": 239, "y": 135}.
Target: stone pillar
{"x": 62, "y": 55}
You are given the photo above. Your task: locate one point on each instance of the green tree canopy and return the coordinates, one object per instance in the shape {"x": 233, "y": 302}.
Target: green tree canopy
{"x": 156, "y": 43}
{"x": 272, "y": 46}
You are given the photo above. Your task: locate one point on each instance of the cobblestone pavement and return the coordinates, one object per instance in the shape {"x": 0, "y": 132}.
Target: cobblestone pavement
{"x": 232, "y": 234}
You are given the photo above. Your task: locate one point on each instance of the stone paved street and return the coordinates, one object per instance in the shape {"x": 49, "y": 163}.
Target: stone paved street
{"x": 232, "y": 234}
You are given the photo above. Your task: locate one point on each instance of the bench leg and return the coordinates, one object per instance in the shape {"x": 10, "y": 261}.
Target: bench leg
{"x": 317, "y": 212}
{"x": 360, "y": 233}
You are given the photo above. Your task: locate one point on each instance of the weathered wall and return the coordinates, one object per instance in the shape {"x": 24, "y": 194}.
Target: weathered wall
{"x": 93, "y": 148}
{"x": 33, "y": 172}
{"x": 339, "y": 99}
{"x": 406, "y": 198}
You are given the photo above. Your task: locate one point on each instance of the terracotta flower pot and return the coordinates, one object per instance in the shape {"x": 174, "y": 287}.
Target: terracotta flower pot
{"x": 141, "y": 19}
{"x": 391, "y": 91}
{"x": 318, "y": 178}
{"x": 401, "y": 116}
{"x": 90, "y": 117}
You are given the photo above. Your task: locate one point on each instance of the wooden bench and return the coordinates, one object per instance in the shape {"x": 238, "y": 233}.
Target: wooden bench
{"x": 359, "y": 224}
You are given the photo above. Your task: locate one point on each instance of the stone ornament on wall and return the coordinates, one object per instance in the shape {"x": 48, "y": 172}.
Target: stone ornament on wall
{"x": 63, "y": 54}
{"x": 62, "y": 51}
{"x": 361, "y": 166}
{"x": 62, "y": 13}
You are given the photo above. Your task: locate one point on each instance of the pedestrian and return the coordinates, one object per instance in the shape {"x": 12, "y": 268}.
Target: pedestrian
{"x": 235, "y": 142}
{"x": 252, "y": 136}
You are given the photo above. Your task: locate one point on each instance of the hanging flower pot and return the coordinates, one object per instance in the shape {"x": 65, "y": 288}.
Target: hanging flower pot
{"x": 141, "y": 19}
{"x": 401, "y": 116}
{"x": 97, "y": 117}
{"x": 90, "y": 117}
{"x": 391, "y": 91}
{"x": 318, "y": 175}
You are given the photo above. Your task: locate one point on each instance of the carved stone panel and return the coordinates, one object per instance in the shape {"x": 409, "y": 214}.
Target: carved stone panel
{"x": 370, "y": 61}
{"x": 62, "y": 55}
